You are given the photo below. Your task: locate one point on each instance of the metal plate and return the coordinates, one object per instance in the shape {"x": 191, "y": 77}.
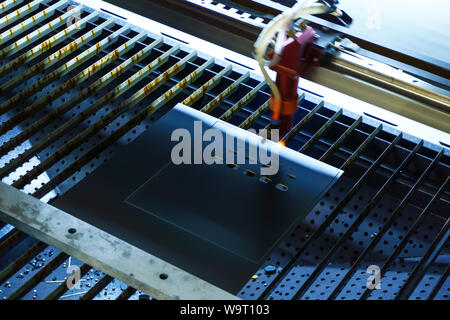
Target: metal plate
{"x": 206, "y": 218}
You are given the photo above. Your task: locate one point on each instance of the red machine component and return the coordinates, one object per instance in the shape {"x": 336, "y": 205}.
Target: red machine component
{"x": 296, "y": 55}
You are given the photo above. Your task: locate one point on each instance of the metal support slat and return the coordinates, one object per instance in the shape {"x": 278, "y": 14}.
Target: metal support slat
{"x": 141, "y": 74}
{"x": 6, "y": 5}
{"x": 99, "y": 286}
{"x": 322, "y": 130}
{"x": 30, "y": 22}
{"x": 48, "y": 44}
{"x": 158, "y": 103}
{"x": 20, "y": 12}
{"x": 10, "y": 240}
{"x": 58, "y": 132}
{"x": 46, "y": 63}
{"x": 200, "y": 92}
{"x": 104, "y": 121}
{"x": 242, "y": 102}
{"x": 172, "y": 92}
{"x": 341, "y": 139}
{"x": 255, "y": 115}
{"x": 197, "y": 91}
{"x": 439, "y": 284}
{"x": 73, "y": 82}
{"x": 102, "y": 82}
{"x": 45, "y": 271}
{"x": 361, "y": 147}
{"x": 225, "y": 93}
{"x": 332, "y": 215}
{"x": 302, "y": 122}
{"x": 88, "y": 132}
{"x": 21, "y": 261}
{"x": 151, "y": 87}
{"x": 323, "y": 264}
{"x": 405, "y": 239}
{"x": 432, "y": 253}
{"x": 126, "y": 294}
{"x": 275, "y": 125}
{"x": 385, "y": 227}
{"x": 62, "y": 288}
{"x": 61, "y": 71}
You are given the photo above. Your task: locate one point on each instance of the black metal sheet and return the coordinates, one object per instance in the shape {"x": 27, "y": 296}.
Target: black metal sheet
{"x": 211, "y": 220}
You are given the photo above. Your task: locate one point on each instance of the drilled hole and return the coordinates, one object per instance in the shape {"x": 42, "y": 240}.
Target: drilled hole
{"x": 281, "y": 187}
{"x": 163, "y": 276}
{"x": 265, "y": 180}
{"x": 233, "y": 166}
{"x": 249, "y": 173}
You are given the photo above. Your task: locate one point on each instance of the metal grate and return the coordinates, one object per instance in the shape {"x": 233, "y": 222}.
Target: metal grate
{"x": 73, "y": 91}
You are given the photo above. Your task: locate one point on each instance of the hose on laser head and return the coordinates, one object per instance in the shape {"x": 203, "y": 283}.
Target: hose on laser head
{"x": 278, "y": 26}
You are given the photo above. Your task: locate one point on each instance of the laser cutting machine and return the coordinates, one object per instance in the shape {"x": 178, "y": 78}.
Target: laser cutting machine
{"x": 109, "y": 111}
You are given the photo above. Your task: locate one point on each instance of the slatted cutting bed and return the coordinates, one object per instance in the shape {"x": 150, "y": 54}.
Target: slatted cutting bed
{"x": 76, "y": 84}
